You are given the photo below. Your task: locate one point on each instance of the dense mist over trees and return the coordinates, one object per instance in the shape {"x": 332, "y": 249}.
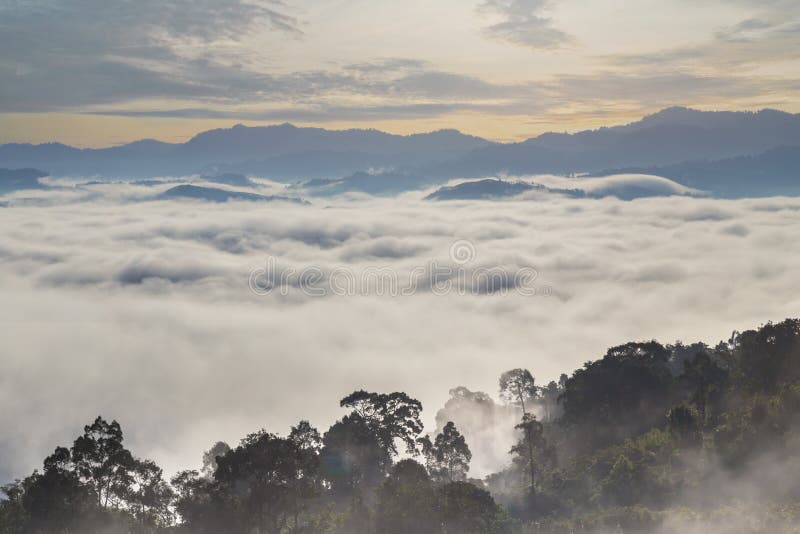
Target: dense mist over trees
{"x": 677, "y": 437}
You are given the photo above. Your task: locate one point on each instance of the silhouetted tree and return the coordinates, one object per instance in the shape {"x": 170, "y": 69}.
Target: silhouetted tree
{"x": 54, "y": 500}
{"x": 448, "y": 456}
{"x": 518, "y": 387}
{"x": 704, "y": 377}
{"x": 353, "y": 458}
{"x": 220, "y": 448}
{"x": 272, "y": 479}
{"x": 407, "y": 501}
{"x": 683, "y": 425}
{"x": 467, "y": 509}
{"x": 202, "y": 505}
{"x": 622, "y": 395}
{"x": 96, "y": 486}
{"x": 150, "y": 496}
{"x": 532, "y": 451}
{"x": 103, "y": 462}
{"x": 549, "y": 399}
{"x": 391, "y": 416}
{"x": 770, "y": 356}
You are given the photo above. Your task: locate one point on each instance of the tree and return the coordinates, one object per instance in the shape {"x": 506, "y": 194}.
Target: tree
{"x": 406, "y": 501}
{"x": 353, "y": 458}
{"x": 532, "y": 451}
{"x": 683, "y": 425}
{"x": 770, "y": 356}
{"x": 704, "y": 378}
{"x": 150, "y": 495}
{"x": 448, "y": 456}
{"x": 467, "y": 509}
{"x": 271, "y": 479}
{"x": 517, "y": 387}
{"x": 53, "y": 500}
{"x": 95, "y": 486}
{"x": 391, "y": 416}
{"x": 549, "y": 396}
{"x": 622, "y": 395}
{"x": 103, "y": 462}
{"x": 13, "y": 515}
{"x": 482, "y": 421}
{"x": 220, "y": 448}
{"x": 201, "y": 505}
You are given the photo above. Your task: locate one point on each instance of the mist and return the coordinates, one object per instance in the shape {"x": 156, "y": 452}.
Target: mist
{"x": 142, "y": 310}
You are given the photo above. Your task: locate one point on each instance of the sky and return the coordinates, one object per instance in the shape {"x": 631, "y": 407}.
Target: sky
{"x": 103, "y": 72}
{"x": 144, "y": 311}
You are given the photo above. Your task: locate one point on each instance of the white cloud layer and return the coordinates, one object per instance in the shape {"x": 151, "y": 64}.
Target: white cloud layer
{"x": 142, "y": 312}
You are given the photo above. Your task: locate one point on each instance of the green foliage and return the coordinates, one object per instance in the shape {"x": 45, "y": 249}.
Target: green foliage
{"x": 677, "y": 438}
{"x": 684, "y": 426}
{"x": 467, "y": 509}
{"x": 705, "y": 378}
{"x": 769, "y": 357}
{"x": 622, "y": 395}
{"x": 406, "y": 501}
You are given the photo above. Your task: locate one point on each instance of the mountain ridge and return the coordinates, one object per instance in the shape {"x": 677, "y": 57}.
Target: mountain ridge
{"x": 286, "y": 152}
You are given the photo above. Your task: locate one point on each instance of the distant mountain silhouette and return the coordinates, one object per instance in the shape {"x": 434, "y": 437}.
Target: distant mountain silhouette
{"x": 242, "y": 143}
{"x": 19, "y": 179}
{"x": 213, "y": 194}
{"x": 483, "y": 189}
{"x": 288, "y": 153}
{"x": 669, "y": 136}
{"x": 774, "y": 172}
{"x": 280, "y": 152}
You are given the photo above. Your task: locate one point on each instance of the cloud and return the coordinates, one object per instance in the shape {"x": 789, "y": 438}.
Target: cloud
{"x": 738, "y": 230}
{"x": 142, "y": 311}
{"x": 650, "y": 88}
{"x": 403, "y": 89}
{"x": 89, "y": 52}
{"x": 771, "y": 37}
{"x": 521, "y": 23}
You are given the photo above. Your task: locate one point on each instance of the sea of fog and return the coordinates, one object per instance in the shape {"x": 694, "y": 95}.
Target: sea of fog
{"x": 165, "y": 314}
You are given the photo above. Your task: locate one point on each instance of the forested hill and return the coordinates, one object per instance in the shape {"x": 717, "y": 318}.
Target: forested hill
{"x": 680, "y": 438}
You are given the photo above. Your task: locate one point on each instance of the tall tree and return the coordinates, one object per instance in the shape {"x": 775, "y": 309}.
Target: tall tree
{"x": 52, "y": 501}
{"x": 353, "y": 458}
{"x": 532, "y": 452}
{"x": 407, "y": 501}
{"x": 391, "y": 416}
{"x": 624, "y": 394}
{"x": 770, "y": 356}
{"x": 271, "y": 478}
{"x": 549, "y": 398}
{"x": 704, "y": 377}
{"x": 448, "y": 456}
{"x": 467, "y": 509}
{"x": 202, "y": 505}
{"x": 518, "y": 387}
{"x": 102, "y": 461}
{"x": 150, "y": 496}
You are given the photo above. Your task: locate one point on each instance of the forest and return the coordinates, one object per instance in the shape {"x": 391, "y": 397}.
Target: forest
{"x": 649, "y": 437}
